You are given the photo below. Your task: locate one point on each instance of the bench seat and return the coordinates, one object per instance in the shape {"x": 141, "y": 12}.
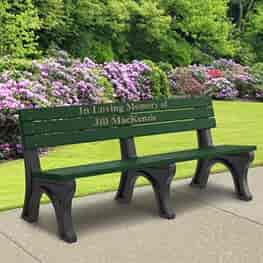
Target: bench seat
{"x": 157, "y": 160}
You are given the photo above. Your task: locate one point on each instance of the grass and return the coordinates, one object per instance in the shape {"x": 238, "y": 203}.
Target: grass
{"x": 238, "y": 123}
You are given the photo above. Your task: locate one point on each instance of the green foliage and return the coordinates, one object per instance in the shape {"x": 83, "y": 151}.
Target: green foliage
{"x": 165, "y": 66}
{"x": 15, "y": 64}
{"x": 148, "y": 26}
{"x": 56, "y": 22}
{"x": 175, "y": 50}
{"x": 203, "y": 23}
{"x": 240, "y": 11}
{"x": 254, "y": 33}
{"x": 160, "y": 30}
{"x": 104, "y": 82}
{"x": 101, "y": 27}
{"x": 165, "y": 30}
{"x": 19, "y": 21}
{"x": 160, "y": 84}
{"x": 199, "y": 57}
{"x": 247, "y": 15}
{"x": 257, "y": 72}
{"x": 179, "y": 32}
{"x": 99, "y": 50}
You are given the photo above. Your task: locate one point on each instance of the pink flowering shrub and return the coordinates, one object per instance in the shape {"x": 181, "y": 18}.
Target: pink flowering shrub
{"x": 215, "y": 73}
{"x": 129, "y": 80}
{"x": 221, "y": 88}
{"x": 223, "y": 79}
{"x": 64, "y": 81}
{"x": 239, "y": 76}
{"x": 184, "y": 82}
{"x": 61, "y": 80}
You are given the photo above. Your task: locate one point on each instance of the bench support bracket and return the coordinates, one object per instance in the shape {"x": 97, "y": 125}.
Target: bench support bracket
{"x": 61, "y": 195}
{"x": 160, "y": 179}
{"x": 32, "y": 164}
{"x": 238, "y": 166}
{"x": 32, "y": 204}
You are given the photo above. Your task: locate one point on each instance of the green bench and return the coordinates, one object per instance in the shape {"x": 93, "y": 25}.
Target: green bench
{"x": 47, "y": 127}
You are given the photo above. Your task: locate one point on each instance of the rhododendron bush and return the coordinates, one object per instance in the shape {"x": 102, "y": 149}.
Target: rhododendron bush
{"x": 224, "y": 79}
{"x": 64, "y": 81}
{"x": 61, "y": 80}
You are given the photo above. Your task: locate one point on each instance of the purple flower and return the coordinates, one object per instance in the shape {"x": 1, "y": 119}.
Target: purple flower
{"x": 128, "y": 81}
{"x": 221, "y": 88}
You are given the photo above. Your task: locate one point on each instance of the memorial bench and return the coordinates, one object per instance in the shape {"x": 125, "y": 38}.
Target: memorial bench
{"x": 47, "y": 127}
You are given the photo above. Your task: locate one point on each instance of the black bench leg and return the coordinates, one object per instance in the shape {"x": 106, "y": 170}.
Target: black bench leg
{"x": 202, "y": 173}
{"x": 238, "y": 166}
{"x": 32, "y": 203}
{"x": 161, "y": 179}
{"x": 61, "y": 195}
{"x": 126, "y": 187}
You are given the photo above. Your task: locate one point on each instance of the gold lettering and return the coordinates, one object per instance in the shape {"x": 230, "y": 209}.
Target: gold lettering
{"x": 131, "y": 119}
{"x": 115, "y": 120}
{"x": 132, "y": 107}
{"x": 101, "y": 122}
{"x": 97, "y": 120}
{"x": 128, "y": 107}
{"x": 84, "y": 111}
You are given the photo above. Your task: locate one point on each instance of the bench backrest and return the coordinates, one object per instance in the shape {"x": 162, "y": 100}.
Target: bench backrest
{"x": 46, "y": 127}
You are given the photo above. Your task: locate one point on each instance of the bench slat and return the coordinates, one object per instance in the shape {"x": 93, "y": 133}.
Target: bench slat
{"x": 141, "y": 162}
{"x": 104, "y": 109}
{"x": 91, "y": 122}
{"x": 36, "y": 141}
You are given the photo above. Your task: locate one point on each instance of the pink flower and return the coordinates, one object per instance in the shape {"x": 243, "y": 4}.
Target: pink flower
{"x": 215, "y": 73}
